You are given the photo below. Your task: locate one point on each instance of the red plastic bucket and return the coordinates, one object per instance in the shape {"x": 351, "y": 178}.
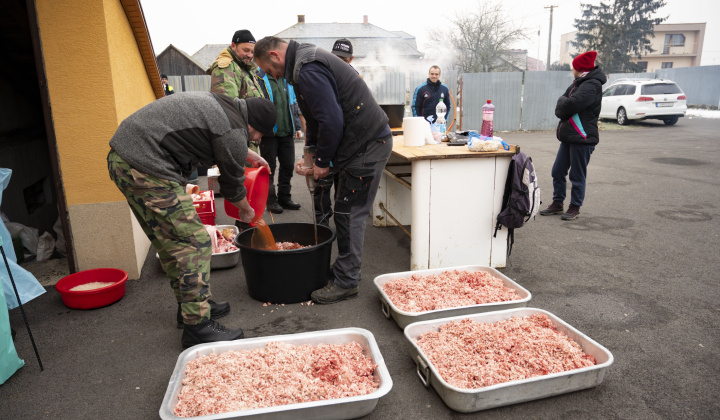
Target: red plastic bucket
{"x": 94, "y": 298}
{"x": 257, "y": 184}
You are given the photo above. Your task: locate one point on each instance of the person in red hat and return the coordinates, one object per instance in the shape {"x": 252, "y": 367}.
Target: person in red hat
{"x": 578, "y": 110}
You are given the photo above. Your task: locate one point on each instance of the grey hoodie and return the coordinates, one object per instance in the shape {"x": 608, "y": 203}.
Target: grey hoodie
{"x": 172, "y": 136}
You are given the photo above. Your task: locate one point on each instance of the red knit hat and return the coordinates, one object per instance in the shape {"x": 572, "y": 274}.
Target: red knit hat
{"x": 585, "y": 61}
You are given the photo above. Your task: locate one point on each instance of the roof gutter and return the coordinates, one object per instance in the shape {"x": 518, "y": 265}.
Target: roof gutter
{"x": 134, "y": 13}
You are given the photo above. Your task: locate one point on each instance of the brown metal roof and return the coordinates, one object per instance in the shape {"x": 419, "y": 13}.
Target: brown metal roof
{"x": 134, "y": 13}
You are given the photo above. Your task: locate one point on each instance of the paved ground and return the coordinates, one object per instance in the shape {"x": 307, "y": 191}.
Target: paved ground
{"x": 637, "y": 272}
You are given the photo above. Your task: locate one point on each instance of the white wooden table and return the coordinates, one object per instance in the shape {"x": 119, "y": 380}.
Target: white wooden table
{"x": 450, "y": 197}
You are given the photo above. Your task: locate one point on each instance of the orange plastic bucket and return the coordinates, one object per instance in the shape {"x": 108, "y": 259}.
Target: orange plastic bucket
{"x": 257, "y": 184}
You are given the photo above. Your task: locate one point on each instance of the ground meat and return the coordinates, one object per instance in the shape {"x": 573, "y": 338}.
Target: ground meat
{"x": 449, "y": 289}
{"x": 284, "y": 246}
{"x": 469, "y": 354}
{"x": 278, "y": 374}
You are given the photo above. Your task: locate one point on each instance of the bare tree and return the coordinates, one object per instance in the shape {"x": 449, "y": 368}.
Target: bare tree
{"x": 479, "y": 40}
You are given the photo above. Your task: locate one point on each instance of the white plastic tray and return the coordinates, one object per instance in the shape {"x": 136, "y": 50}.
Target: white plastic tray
{"x": 340, "y": 408}
{"x": 403, "y": 318}
{"x": 469, "y": 400}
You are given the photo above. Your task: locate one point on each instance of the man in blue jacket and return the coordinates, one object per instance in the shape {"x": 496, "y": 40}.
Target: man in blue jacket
{"x": 280, "y": 146}
{"x": 349, "y": 128}
{"x": 429, "y": 94}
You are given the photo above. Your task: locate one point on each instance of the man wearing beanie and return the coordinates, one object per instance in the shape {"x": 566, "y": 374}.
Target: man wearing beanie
{"x": 166, "y": 87}
{"x": 349, "y": 128}
{"x": 153, "y": 152}
{"x": 233, "y": 72}
{"x": 578, "y": 109}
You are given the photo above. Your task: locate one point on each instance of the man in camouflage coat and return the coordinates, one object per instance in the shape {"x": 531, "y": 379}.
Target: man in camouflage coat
{"x": 153, "y": 153}
{"x": 233, "y": 72}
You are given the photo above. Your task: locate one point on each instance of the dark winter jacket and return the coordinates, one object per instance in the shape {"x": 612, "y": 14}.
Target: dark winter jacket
{"x": 341, "y": 114}
{"x": 426, "y": 98}
{"x": 579, "y": 108}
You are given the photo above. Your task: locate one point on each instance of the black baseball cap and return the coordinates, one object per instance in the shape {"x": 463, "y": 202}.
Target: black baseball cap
{"x": 343, "y": 48}
{"x": 243, "y": 35}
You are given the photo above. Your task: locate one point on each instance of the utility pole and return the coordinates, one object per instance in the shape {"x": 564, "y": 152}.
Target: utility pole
{"x": 549, "y": 35}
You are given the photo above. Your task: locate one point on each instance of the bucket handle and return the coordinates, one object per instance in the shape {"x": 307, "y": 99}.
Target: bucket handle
{"x": 385, "y": 308}
{"x": 422, "y": 370}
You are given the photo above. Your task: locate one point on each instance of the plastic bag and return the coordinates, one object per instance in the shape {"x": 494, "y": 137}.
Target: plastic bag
{"x": 480, "y": 143}
{"x": 28, "y": 235}
{"x": 9, "y": 360}
{"x": 27, "y": 285}
{"x": 60, "y": 245}
{"x": 46, "y": 246}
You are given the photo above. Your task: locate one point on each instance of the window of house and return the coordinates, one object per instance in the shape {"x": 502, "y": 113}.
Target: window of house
{"x": 666, "y": 65}
{"x": 673, "y": 40}
{"x": 642, "y": 66}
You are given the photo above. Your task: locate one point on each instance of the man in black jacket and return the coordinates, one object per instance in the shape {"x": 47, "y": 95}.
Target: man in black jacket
{"x": 429, "y": 94}
{"x": 349, "y": 128}
{"x": 578, "y": 109}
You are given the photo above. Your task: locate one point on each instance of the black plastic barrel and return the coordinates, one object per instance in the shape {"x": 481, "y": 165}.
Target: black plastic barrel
{"x": 287, "y": 276}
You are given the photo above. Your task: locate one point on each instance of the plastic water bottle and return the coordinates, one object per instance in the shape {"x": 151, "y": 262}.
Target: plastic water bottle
{"x": 440, "y": 111}
{"x": 487, "y": 119}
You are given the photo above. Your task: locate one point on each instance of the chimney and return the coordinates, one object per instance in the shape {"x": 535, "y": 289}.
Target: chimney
{"x": 301, "y": 18}
{"x": 365, "y": 19}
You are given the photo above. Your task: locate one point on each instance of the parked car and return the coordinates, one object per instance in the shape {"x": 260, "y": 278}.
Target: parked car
{"x": 641, "y": 99}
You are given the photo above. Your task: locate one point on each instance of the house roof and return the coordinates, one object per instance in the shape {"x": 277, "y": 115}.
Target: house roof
{"x": 367, "y": 39}
{"x": 186, "y": 55}
{"x": 207, "y": 54}
{"x": 136, "y": 18}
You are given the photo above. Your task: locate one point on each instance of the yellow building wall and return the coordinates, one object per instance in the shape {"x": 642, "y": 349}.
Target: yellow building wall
{"x": 96, "y": 78}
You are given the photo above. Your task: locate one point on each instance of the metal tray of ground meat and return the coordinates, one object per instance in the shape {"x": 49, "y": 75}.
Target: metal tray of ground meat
{"x": 339, "y": 408}
{"x": 403, "y": 318}
{"x": 223, "y": 259}
{"x": 469, "y": 400}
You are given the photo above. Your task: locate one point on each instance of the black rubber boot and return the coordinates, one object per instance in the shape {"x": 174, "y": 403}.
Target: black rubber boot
{"x": 217, "y": 311}
{"x": 209, "y": 331}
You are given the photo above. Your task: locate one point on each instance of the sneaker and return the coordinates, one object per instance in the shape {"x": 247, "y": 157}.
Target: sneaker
{"x": 217, "y": 310}
{"x": 332, "y": 294}
{"x": 555, "y": 208}
{"x": 572, "y": 212}
{"x": 208, "y": 331}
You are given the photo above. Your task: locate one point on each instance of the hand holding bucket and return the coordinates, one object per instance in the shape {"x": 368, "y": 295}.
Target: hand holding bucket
{"x": 257, "y": 184}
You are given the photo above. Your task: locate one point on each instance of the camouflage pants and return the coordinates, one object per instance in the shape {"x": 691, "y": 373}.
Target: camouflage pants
{"x": 169, "y": 219}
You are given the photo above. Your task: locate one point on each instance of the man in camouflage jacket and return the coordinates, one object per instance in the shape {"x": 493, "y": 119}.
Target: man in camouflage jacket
{"x": 233, "y": 72}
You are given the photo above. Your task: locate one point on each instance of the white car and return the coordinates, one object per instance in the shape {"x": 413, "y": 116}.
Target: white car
{"x": 642, "y": 99}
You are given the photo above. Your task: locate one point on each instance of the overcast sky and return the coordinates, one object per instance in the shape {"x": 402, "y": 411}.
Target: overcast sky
{"x": 190, "y": 24}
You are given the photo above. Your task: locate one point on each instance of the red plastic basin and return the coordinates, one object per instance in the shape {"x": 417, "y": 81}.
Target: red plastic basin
{"x": 96, "y": 298}
{"x": 257, "y": 184}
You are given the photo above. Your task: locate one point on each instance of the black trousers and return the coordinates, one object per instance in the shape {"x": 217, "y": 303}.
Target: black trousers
{"x": 282, "y": 150}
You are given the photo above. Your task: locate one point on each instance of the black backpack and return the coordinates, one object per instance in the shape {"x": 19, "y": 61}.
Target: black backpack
{"x": 521, "y": 200}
